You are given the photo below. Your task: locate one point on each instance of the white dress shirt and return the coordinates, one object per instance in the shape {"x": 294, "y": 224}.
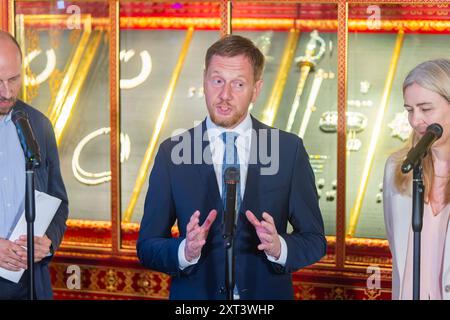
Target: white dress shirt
{"x": 217, "y": 146}
{"x": 12, "y": 177}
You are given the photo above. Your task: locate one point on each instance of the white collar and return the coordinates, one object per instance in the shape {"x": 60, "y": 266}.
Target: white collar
{"x": 243, "y": 129}
{"x": 7, "y": 117}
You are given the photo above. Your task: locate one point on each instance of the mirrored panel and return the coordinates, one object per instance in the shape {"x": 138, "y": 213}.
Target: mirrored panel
{"x": 66, "y": 76}
{"x": 167, "y": 34}
{"x": 300, "y": 85}
{"x": 162, "y": 47}
{"x": 384, "y": 43}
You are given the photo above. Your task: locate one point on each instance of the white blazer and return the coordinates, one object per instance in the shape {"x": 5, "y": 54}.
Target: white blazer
{"x": 397, "y": 219}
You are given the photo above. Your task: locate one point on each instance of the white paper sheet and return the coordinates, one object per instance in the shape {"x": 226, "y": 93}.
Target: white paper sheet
{"x": 46, "y": 207}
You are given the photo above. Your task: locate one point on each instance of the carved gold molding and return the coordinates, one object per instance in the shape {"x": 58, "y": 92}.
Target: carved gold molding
{"x": 361, "y": 25}
{"x": 97, "y": 281}
{"x": 285, "y": 24}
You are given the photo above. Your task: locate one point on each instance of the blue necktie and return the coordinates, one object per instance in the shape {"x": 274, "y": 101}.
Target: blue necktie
{"x": 230, "y": 159}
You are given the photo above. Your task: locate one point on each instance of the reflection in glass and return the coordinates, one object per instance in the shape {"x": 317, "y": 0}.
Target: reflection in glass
{"x": 379, "y": 57}
{"x": 66, "y": 63}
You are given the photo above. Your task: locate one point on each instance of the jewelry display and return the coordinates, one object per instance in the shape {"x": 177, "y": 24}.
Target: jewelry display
{"x": 353, "y": 143}
{"x": 360, "y": 103}
{"x": 46, "y": 73}
{"x": 306, "y": 64}
{"x": 318, "y": 157}
{"x": 264, "y": 43}
{"x": 317, "y": 168}
{"x": 364, "y": 86}
{"x": 310, "y": 104}
{"x": 200, "y": 92}
{"x": 330, "y": 75}
{"x": 334, "y": 184}
{"x": 400, "y": 126}
{"x": 91, "y": 178}
{"x": 320, "y": 183}
{"x": 330, "y": 195}
{"x": 194, "y": 92}
{"x": 356, "y": 121}
{"x": 146, "y": 69}
{"x": 379, "y": 197}
{"x": 191, "y": 92}
{"x": 317, "y": 162}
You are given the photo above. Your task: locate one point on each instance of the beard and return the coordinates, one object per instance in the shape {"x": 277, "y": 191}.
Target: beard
{"x": 230, "y": 121}
{"x": 5, "y": 110}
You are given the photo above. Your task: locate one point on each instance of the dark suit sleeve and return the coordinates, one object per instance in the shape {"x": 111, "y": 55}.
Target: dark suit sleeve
{"x": 306, "y": 244}
{"x": 55, "y": 188}
{"x": 156, "y": 248}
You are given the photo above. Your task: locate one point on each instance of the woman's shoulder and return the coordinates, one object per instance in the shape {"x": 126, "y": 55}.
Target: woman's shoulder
{"x": 390, "y": 169}
{"x": 391, "y": 164}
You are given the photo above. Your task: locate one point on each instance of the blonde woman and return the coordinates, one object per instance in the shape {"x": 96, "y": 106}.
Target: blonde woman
{"x": 426, "y": 93}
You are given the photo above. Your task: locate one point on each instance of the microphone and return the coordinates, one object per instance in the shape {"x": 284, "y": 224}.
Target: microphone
{"x": 26, "y": 137}
{"x": 231, "y": 177}
{"x": 434, "y": 132}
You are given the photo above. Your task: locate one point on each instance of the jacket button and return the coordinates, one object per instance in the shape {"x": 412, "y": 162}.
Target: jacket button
{"x": 447, "y": 288}
{"x": 222, "y": 290}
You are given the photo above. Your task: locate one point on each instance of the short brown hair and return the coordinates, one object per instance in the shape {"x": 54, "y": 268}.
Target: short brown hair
{"x": 234, "y": 45}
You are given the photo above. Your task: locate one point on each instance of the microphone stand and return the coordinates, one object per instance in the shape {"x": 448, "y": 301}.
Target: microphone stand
{"x": 30, "y": 215}
{"x": 228, "y": 235}
{"x": 32, "y": 161}
{"x": 414, "y": 161}
{"x": 417, "y": 222}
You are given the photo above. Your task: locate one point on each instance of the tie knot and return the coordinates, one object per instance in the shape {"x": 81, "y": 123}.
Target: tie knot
{"x": 229, "y": 138}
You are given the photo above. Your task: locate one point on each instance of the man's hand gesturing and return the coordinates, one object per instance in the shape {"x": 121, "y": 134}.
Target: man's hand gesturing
{"x": 196, "y": 235}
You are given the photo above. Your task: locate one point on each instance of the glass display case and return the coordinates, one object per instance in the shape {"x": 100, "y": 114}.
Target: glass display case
{"x": 116, "y": 78}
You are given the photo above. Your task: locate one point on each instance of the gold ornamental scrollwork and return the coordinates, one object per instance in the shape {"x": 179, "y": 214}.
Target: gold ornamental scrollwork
{"x": 338, "y": 293}
{"x": 372, "y": 294}
{"x": 112, "y": 280}
{"x": 306, "y": 292}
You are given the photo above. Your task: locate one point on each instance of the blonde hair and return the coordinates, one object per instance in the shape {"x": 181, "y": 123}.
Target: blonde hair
{"x": 433, "y": 75}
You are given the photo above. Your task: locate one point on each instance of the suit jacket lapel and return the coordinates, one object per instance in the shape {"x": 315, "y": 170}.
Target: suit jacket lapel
{"x": 206, "y": 170}
{"x": 252, "y": 181}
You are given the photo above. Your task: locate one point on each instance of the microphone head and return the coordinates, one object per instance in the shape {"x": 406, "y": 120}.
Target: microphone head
{"x": 436, "y": 129}
{"x": 231, "y": 175}
{"x": 26, "y": 138}
{"x": 406, "y": 167}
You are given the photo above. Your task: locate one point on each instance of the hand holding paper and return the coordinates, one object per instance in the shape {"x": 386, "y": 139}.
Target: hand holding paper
{"x": 41, "y": 247}
{"x": 46, "y": 207}
{"x": 12, "y": 256}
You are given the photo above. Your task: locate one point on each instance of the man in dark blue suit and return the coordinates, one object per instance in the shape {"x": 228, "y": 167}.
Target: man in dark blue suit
{"x": 276, "y": 187}
{"x": 48, "y": 179}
